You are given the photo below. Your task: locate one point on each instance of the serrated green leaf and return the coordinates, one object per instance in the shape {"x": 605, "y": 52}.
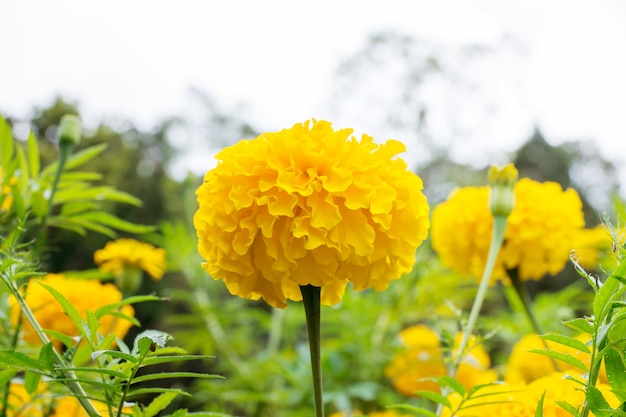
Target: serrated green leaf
{"x": 414, "y": 409}
{"x": 68, "y": 308}
{"x": 109, "y": 308}
{"x": 91, "y": 370}
{"x": 452, "y": 383}
{"x": 434, "y": 397}
{"x": 143, "y": 391}
{"x": 89, "y": 225}
{"x": 580, "y": 324}
{"x": 46, "y": 356}
{"x": 79, "y": 177}
{"x": 68, "y": 341}
{"x": 147, "y": 338}
{"x": 168, "y": 375}
{"x": 153, "y": 360}
{"x": 179, "y": 413}
{"x": 115, "y": 222}
{"x": 19, "y": 360}
{"x": 84, "y": 192}
{"x": 75, "y": 160}
{"x": 159, "y": 404}
{"x": 566, "y": 341}
{"x": 62, "y": 223}
{"x": 70, "y": 209}
{"x": 114, "y": 354}
{"x": 616, "y": 372}
{"x": 597, "y": 403}
{"x": 564, "y": 357}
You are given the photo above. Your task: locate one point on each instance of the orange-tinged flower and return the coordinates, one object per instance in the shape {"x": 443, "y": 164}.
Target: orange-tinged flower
{"x": 85, "y": 295}
{"x": 539, "y": 233}
{"x": 411, "y": 369}
{"x": 309, "y": 206}
{"x": 124, "y": 254}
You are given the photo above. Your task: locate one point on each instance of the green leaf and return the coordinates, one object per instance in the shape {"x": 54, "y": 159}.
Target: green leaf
{"x": 143, "y": 391}
{"x": 68, "y": 308}
{"x": 83, "y": 192}
{"x": 597, "y": 403}
{"x": 567, "y": 407}
{"x": 46, "y": 356}
{"x": 110, "y": 308}
{"x": 565, "y": 357}
{"x": 418, "y": 410}
{"x": 167, "y": 375}
{"x": 153, "y": 360}
{"x": 31, "y": 381}
{"x": 33, "y": 155}
{"x": 616, "y": 372}
{"x": 114, "y": 354}
{"x": 75, "y": 160}
{"x": 539, "y": 409}
{"x": 567, "y": 341}
{"x": 104, "y": 371}
{"x": 18, "y": 360}
{"x": 434, "y": 397}
{"x": 68, "y": 341}
{"x": 580, "y": 324}
{"x": 452, "y": 383}
{"x": 159, "y": 404}
{"x": 149, "y": 340}
{"x": 115, "y": 222}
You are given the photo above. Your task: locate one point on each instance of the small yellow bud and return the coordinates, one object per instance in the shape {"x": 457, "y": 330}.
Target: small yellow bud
{"x": 501, "y": 195}
{"x": 69, "y": 130}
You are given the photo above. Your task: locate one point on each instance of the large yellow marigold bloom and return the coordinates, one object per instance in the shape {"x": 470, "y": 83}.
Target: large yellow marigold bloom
{"x": 539, "y": 234}
{"x": 411, "y": 369}
{"x": 85, "y": 295}
{"x": 309, "y": 206}
{"x": 122, "y": 254}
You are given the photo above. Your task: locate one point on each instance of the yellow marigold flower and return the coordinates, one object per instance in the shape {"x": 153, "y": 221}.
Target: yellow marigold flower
{"x": 524, "y": 366}
{"x": 309, "y": 206}
{"x": 85, "y": 295}
{"x": 538, "y": 237}
{"x": 422, "y": 359}
{"x": 123, "y": 254}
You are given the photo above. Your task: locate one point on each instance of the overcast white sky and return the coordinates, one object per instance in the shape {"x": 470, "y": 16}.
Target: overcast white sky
{"x": 136, "y": 58}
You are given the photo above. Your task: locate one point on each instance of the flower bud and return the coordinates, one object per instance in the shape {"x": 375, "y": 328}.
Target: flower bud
{"x": 69, "y": 130}
{"x": 502, "y": 195}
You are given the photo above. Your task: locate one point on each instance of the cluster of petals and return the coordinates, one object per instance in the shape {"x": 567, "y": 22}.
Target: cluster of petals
{"x": 422, "y": 358}
{"x": 84, "y": 295}
{"x": 309, "y": 205}
{"x": 126, "y": 253}
{"x": 539, "y": 234}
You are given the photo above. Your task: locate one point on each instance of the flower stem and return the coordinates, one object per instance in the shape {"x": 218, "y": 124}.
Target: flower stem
{"x": 311, "y": 299}
{"x": 496, "y": 243}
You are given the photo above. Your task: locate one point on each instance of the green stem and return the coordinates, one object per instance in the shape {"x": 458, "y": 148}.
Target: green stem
{"x": 311, "y": 299}
{"x": 524, "y": 296}
{"x": 496, "y": 243}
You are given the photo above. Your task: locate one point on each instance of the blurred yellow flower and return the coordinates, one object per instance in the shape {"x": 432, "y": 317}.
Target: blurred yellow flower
{"x": 524, "y": 366}
{"x": 85, "y": 295}
{"x": 539, "y": 233}
{"x": 423, "y": 358}
{"x": 22, "y": 404}
{"x": 520, "y": 400}
{"x": 71, "y": 407}
{"x": 123, "y": 254}
{"x": 309, "y": 206}
{"x": 6, "y": 198}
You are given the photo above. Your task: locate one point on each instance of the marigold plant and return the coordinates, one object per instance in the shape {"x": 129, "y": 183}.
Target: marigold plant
{"x": 85, "y": 295}
{"x": 309, "y": 205}
{"x": 539, "y": 234}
